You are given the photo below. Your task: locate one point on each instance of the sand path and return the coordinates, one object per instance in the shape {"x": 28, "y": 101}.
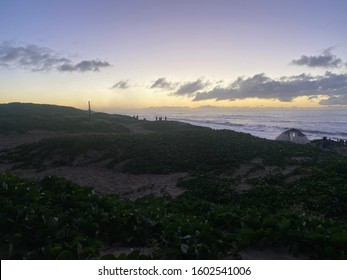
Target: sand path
{"x": 98, "y": 177}
{"x": 110, "y": 182}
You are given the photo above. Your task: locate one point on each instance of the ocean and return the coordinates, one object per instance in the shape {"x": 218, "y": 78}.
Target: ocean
{"x": 261, "y": 122}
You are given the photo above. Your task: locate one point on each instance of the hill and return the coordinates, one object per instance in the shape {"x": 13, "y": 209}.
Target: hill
{"x": 23, "y": 117}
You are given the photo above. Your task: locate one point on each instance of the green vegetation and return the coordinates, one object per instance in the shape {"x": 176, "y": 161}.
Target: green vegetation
{"x": 303, "y": 209}
{"x": 188, "y": 149}
{"x": 22, "y": 117}
{"x": 56, "y": 219}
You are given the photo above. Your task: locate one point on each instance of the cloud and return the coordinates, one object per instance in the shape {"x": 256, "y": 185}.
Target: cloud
{"x": 37, "y": 58}
{"x": 84, "y": 66}
{"x": 284, "y": 89}
{"x": 30, "y": 57}
{"x": 66, "y": 67}
{"x": 335, "y": 100}
{"x": 121, "y": 85}
{"x": 190, "y": 88}
{"x": 162, "y": 83}
{"x": 325, "y": 60}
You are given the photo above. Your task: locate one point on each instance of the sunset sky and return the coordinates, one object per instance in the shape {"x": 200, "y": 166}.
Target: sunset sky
{"x": 146, "y": 53}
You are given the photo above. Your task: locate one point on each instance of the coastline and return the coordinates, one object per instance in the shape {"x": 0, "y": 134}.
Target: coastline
{"x": 265, "y": 123}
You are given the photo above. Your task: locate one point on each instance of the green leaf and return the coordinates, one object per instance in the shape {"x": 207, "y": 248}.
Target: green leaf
{"x": 60, "y": 234}
{"x": 184, "y": 248}
{"x": 108, "y": 257}
{"x": 56, "y": 249}
{"x": 284, "y": 225}
{"x": 10, "y": 249}
{"x": 339, "y": 239}
{"x": 79, "y": 250}
{"x": 65, "y": 255}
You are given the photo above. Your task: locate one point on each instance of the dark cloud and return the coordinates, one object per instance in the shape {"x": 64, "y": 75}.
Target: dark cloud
{"x": 325, "y": 60}
{"x": 335, "y": 100}
{"x": 162, "y": 83}
{"x": 36, "y": 58}
{"x": 30, "y": 57}
{"x": 122, "y": 84}
{"x": 284, "y": 89}
{"x": 84, "y": 66}
{"x": 190, "y": 88}
{"x": 66, "y": 67}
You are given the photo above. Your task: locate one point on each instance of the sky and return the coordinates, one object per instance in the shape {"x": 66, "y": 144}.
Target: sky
{"x": 184, "y": 53}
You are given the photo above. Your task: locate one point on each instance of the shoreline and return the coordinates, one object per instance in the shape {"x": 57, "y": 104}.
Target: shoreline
{"x": 267, "y": 124}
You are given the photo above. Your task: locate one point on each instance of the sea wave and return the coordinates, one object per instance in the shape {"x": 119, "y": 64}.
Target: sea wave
{"x": 269, "y": 131}
{"x": 268, "y": 124}
{"x": 326, "y": 133}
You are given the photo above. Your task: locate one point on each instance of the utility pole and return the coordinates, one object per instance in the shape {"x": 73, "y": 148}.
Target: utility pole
{"x": 90, "y": 112}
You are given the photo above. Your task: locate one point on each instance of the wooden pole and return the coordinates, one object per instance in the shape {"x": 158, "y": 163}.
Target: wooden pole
{"x": 90, "y": 112}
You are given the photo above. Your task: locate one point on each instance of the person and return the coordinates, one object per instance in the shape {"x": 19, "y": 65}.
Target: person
{"x": 326, "y": 144}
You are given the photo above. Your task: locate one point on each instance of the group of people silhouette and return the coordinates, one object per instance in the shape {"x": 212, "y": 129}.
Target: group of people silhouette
{"x": 156, "y": 118}
{"x": 160, "y": 118}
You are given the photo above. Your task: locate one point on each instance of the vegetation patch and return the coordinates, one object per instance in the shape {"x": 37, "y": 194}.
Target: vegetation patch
{"x": 55, "y": 219}
{"x": 301, "y": 209}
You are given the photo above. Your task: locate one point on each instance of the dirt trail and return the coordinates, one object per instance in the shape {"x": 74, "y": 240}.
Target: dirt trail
{"x": 256, "y": 169}
{"x": 108, "y": 181}
{"x": 95, "y": 175}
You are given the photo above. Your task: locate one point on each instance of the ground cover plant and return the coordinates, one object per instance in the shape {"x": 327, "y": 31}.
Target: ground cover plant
{"x": 188, "y": 148}
{"x": 300, "y": 205}
{"x": 55, "y": 219}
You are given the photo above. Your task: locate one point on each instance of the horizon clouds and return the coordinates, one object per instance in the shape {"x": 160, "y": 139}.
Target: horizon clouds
{"x": 284, "y": 89}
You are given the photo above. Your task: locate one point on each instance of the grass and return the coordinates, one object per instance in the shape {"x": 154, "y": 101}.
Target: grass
{"x": 22, "y": 117}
